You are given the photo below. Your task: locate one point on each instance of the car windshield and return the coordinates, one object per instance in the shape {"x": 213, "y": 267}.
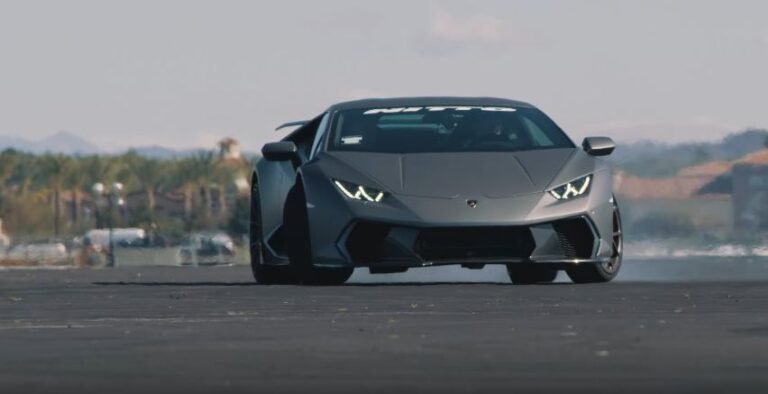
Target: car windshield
{"x": 445, "y": 129}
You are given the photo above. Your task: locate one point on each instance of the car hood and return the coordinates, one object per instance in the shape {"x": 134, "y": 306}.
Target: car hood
{"x": 450, "y": 175}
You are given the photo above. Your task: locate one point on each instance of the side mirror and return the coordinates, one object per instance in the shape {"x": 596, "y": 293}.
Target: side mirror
{"x": 598, "y": 146}
{"x": 280, "y": 151}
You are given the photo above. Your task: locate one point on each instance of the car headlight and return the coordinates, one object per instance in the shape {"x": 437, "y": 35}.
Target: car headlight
{"x": 572, "y": 189}
{"x": 359, "y": 192}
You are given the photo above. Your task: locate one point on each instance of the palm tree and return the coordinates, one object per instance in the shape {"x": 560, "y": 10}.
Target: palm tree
{"x": 53, "y": 171}
{"x": 195, "y": 174}
{"x": 150, "y": 174}
{"x": 74, "y": 181}
{"x": 99, "y": 169}
{"x": 8, "y": 162}
{"x": 24, "y": 173}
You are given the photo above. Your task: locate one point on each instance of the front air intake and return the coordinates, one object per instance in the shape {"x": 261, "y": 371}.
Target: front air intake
{"x": 365, "y": 243}
{"x": 576, "y": 237}
{"x": 481, "y": 243}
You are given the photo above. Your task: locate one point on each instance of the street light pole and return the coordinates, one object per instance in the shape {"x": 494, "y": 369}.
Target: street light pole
{"x": 112, "y": 195}
{"x": 111, "y": 225}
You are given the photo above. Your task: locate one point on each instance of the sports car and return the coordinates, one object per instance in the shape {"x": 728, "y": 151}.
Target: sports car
{"x": 394, "y": 184}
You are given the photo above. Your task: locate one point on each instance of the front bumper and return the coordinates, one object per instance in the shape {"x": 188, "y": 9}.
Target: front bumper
{"x": 380, "y": 244}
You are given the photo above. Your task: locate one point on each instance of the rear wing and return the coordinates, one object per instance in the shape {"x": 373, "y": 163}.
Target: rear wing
{"x": 292, "y": 124}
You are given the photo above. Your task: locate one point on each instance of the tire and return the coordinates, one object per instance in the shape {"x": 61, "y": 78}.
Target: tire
{"x": 262, "y": 273}
{"x": 298, "y": 247}
{"x": 603, "y": 272}
{"x": 528, "y": 274}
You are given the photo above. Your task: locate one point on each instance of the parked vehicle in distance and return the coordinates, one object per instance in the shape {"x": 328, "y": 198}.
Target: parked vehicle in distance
{"x": 207, "y": 248}
{"x": 394, "y": 184}
{"x": 98, "y": 239}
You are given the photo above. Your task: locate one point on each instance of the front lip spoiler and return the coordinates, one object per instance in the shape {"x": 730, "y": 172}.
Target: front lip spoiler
{"x": 417, "y": 264}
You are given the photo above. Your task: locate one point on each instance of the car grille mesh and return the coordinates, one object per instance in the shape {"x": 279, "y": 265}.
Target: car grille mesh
{"x": 575, "y": 236}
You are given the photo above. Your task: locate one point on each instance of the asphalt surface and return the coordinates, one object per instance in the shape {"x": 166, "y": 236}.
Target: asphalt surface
{"x": 163, "y": 329}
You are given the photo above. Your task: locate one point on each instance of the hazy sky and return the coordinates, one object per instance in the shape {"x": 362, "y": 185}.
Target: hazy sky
{"x": 184, "y": 73}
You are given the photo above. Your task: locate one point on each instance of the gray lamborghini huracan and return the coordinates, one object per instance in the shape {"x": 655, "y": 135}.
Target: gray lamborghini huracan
{"x": 393, "y": 184}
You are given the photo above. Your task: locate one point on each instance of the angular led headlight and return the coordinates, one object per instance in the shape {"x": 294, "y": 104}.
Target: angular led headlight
{"x": 572, "y": 189}
{"x": 358, "y": 192}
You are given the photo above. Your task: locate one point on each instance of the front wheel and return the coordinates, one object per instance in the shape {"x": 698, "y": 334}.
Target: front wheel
{"x": 262, "y": 273}
{"x": 603, "y": 272}
{"x": 298, "y": 247}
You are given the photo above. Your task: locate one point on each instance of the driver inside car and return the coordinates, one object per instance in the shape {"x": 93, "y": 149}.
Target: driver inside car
{"x": 494, "y": 132}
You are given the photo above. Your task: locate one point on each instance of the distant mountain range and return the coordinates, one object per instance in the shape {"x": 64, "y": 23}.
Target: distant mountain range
{"x": 61, "y": 142}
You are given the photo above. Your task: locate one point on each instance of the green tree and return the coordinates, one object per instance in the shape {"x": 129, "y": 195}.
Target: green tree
{"x": 54, "y": 171}
{"x": 8, "y": 161}
{"x": 25, "y": 173}
{"x": 75, "y": 182}
{"x": 150, "y": 175}
{"x": 195, "y": 175}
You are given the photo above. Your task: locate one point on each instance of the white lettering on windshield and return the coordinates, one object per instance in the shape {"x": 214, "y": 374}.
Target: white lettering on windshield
{"x": 351, "y": 140}
{"x": 384, "y": 111}
{"x": 380, "y": 111}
